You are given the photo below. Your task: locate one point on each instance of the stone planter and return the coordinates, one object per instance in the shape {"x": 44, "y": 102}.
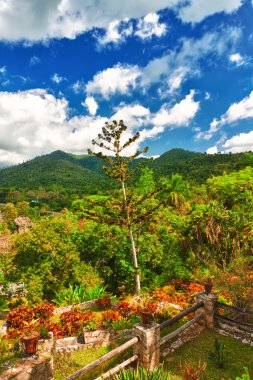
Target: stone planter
{"x": 146, "y": 317}
{"x": 208, "y": 287}
{"x": 31, "y": 343}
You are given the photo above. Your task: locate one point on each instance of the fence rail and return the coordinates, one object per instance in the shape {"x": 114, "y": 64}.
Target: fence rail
{"x": 172, "y": 335}
{"x": 179, "y": 316}
{"x": 103, "y": 359}
{"x": 134, "y": 341}
{"x": 234, "y": 309}
{"x": 243, "y": 325}
{"x": 116, "y": 369}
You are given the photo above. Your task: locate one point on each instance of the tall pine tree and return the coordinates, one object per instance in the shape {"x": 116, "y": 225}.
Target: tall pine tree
{"x": 118, "y": 167}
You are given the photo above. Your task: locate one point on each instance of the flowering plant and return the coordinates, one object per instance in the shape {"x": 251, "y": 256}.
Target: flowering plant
{"x": 104, "y": 302}
{"x": 108, "y": 317}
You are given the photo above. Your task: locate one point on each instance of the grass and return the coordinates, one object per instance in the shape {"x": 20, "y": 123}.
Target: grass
{"x": 68, "y": 363}
{"x": 238, "y": 356}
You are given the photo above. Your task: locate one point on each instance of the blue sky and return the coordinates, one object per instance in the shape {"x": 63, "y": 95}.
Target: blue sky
{"x": 180, "y": 72}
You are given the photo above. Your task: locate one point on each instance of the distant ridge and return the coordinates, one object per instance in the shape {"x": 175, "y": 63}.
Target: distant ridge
{"x": 57, "y": 169}
{"x": 82, "y": 173}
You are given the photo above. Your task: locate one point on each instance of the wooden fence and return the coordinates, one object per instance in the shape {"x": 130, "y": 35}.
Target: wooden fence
{"x": 146, "y": 345}
{"x": 236, "y": 316}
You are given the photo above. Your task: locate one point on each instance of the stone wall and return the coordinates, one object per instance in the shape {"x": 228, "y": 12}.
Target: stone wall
{"x": 89, "y": 339}
{"x": 31, "y": 368}
{"x": 83, "y": 305}
{"x": 235, "y": 332}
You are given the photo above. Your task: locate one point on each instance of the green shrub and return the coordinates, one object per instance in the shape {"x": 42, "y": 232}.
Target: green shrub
{"x": 79, "y": 294}
{"x": 125, "y": 323}
{"x": 142, "y": 374}
{"x": 245, "y": 376}
{"x": 218, "y": 355}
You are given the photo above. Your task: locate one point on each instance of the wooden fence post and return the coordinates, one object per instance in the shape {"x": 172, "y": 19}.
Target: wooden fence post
{"x": 148, "y": 346}
{"x": 208, "y": 309}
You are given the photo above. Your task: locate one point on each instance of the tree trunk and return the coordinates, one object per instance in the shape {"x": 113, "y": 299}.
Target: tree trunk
{"x": 130, "y": 230}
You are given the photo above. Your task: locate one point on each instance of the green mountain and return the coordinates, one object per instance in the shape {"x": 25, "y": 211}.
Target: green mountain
{"x": 55, "y": 171}
{"x": 197, "y": 167}
{"x": 61, "y": 171}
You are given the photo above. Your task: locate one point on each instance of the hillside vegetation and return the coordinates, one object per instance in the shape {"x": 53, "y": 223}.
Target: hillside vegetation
{"x": 69, "y": 174}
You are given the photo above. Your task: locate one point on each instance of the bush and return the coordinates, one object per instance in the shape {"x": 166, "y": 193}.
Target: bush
{"x": 217, "y": 356}
{"x": 142, "y": 374}
{"x": 73, "y": 321}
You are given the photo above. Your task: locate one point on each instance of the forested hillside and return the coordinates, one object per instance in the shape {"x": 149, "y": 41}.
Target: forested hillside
{"x": 67, "y": 174}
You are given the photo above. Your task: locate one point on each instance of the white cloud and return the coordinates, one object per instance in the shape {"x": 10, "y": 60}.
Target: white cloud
{"x": 91, "y": 105}
{"x": 184, "y": 61}
{"x": 116, "y": 32}
{"x": 237, "y": 59}
{"x": 119, "y": 30}
{"x": 56, "y": 78}
{"x": 198, "y": 10}
{"x": 170, "y": 70}
{"x": 212, "y": 150}
{"x": 242, "y": 142}
{"x": 9, "y": 158}
{"x": 176, "y": 79}
{"x": 207, "y": 135}
{"x": 118, "y": 79}
{"x": 3, "y": 70}
{"x": 238, "y": 111}
{"x": 150, "y": 26}
{"x": 78, "y": 87}
{"x": 135, "y": 116}
{"x": 68, "y": 18}
{"x": 179, "y": 115}
{"x": 35, "y": 122}
{"x": 33, "y": 20}
{"x": 207, "y": 95}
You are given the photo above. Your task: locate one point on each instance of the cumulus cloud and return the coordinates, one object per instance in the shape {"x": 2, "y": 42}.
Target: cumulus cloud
{"x": 243, "y": 142}
{"x": 117, "y": 79}
{"x": 41, "y": 124}
{"x": 78, "y": 87}
{"x": 184, "y": 62}
{"x": 56, "y": 78}
{"x": 119, "y": 30}
{"x": 135, "y": 116}
{"x": 207, "y": 135}
{"x": 239, "y": 111}
{"x": 179, "y": 115}
{"x": 198, "y": 10}
{"x": 237, "y": 59}
{"x": 169, "y": 71}
{"x": 236, "y": 112}
{"x": 91, "y": 105}
{"x": 116, "y": 33}
{"x": 150, "y": 26}
{"x": 212, "y": 150}
{"x": 69, "y": 18}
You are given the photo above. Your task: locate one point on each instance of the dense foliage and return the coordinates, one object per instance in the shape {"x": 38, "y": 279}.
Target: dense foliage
{"x": 197, "y": 230}
{"x": 58, "y": 178}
